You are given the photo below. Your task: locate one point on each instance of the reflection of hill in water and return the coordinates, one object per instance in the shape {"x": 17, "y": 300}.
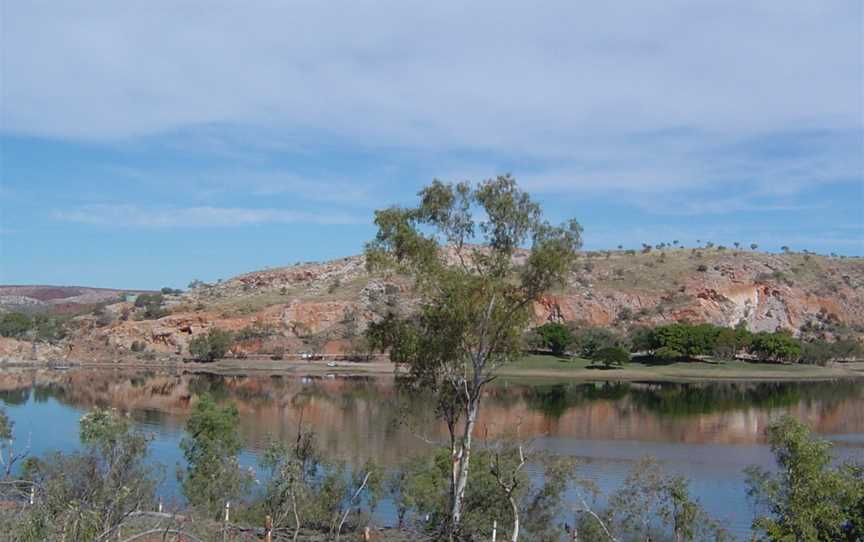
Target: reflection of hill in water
{"x": 357, "y": 418}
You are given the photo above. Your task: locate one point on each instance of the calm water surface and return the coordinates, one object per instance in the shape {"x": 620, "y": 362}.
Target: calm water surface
{"x": 707, "y": 432}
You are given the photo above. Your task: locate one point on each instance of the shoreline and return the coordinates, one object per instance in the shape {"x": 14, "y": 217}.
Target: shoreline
{"x": 677, "y": 372}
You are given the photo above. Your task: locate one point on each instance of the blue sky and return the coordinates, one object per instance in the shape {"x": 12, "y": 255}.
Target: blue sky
{"x": 143, "y": 146}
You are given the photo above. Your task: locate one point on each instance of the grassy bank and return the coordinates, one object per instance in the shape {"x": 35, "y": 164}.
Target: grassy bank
{"x": 532, "y": 366}
{"x": 583, "y": 369}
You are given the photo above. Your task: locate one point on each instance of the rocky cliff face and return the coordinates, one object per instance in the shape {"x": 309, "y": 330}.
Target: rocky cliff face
{"x": 321, "y": 306}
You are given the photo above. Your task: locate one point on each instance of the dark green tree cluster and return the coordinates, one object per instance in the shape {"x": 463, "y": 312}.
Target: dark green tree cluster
{"x": 212, "y": 345}
{"x": 683, "y": 341}
{"x": 600, "y": 344}
{"x": 39, "y": 327}
{"x": 553, "y": 337}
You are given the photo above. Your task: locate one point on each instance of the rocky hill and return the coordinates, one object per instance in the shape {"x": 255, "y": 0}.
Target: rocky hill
{"x": 56, "y": 299}
{"x": 323, "y": 306}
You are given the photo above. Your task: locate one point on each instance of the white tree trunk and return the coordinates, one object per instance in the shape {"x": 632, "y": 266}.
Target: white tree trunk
{"x": 462, "y": 463}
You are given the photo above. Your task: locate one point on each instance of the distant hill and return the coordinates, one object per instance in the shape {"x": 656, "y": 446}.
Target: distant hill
{"x": 56, "y": 299}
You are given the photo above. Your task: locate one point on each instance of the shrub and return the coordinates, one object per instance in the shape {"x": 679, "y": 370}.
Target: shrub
{"x": 625, "y": 314}
{"x": 152, "y": 305}
{"x": 702, "y": 268}
{"x": 589, "y": 340}
{"x": 612, "y": 356}
{"x": 254, "y": 331}
{"x": 137, "y": 346}
{"x": 148, "y": 299}
{"x": 278, "y": 353}
{"x": 212, "y": 346}
{"x": 642, "y": 339}
{"x": 667, "y": 352}
{"x": 729, "y": 341}
{"x": 555, "y": 337}
{"x": 777, "y": 346}
{"x": 15, "y": 324}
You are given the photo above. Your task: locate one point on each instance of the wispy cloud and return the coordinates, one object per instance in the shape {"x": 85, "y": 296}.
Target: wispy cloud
{"x": 156, "y": 217}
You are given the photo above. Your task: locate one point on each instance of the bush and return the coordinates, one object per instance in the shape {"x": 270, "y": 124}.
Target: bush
{"x": 683, "y": 340}
{"x": 15, "y": 324}
{"x": 555, "y": 337}
{"x": 612, "y": 356}
{"x": 148, "y": 299}
{"x": 212, "y": 346}
{"x": 821, "y": 352}
{"x": 777, "y": 346}
{"x": 152, "y": 305}
{"x": 253, "y": 332}
{"x": 667, "y": 352}
{"x": 278, "y": 353}
{"x": 589, "y": 340}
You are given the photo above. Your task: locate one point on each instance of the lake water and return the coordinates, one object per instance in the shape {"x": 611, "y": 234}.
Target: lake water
{"x": 707, "y": 432}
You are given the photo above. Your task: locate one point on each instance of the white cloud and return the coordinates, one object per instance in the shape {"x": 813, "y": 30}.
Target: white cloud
{"x": 155, "y": 217}
{"x": 508, "y": 75}
{"x": 665, "y": 98}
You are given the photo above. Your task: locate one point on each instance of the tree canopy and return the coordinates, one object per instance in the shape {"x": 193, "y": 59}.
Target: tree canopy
{"x": 480, "y": 255}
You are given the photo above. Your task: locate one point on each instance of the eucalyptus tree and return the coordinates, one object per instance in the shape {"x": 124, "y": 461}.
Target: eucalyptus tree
{"x": 480, "y": 256}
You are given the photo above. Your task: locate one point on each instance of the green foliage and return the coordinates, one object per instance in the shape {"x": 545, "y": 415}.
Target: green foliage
{"x": 170, "y": 291}
{"x": 40, "y": 327}
{"x": 681, "y": 340}
{"x": 589, "y": 340}
{"x": 821, "y": 352}
{"x": 254, "y": 331}
{"x": 476, "y": 299}
{"x": 420, "y": 490}
{"x": 213, "y": 474}
{"x": 649, "y": 505}
{"x": 808, "y": 499}
{"x": 777, "y": 346}
{"x": 151, "y": 305}
{"x": 612, "y": 356}
{"x": 555, "y": 337}
{"x": 642, "y": 339}
{"x": 306, "y": 491}
{"x": 15, "y": 324}
{"x": 212, "y": 346}
{"x": 83, "y": 495}
{"x": 728, "y": 342}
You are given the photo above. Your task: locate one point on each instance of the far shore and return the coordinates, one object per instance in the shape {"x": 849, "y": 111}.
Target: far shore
{"x": 529, "y": 367}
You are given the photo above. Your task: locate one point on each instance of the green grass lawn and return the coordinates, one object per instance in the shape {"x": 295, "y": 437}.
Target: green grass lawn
{"x": 580, "y": 368}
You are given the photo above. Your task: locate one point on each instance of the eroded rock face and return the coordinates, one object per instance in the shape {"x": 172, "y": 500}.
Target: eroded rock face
{"x": 338, "y": 299}
{"x": 15, "y": 350}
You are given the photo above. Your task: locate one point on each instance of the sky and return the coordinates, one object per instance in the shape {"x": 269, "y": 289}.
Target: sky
{"x": 146, "y": 144}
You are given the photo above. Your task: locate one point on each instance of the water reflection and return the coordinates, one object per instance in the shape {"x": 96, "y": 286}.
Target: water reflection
{"x": 362, "y": 417}
{"x": 706, "y": 432}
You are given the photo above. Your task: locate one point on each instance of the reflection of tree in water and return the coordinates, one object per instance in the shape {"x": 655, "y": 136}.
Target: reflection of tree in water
{"x": 42, "y": 393}
{"x": 690, "y": 399}
{"x": 15, "y": 397}
{"x": 554, "y": 400}
{"x": 675, "y": 399}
